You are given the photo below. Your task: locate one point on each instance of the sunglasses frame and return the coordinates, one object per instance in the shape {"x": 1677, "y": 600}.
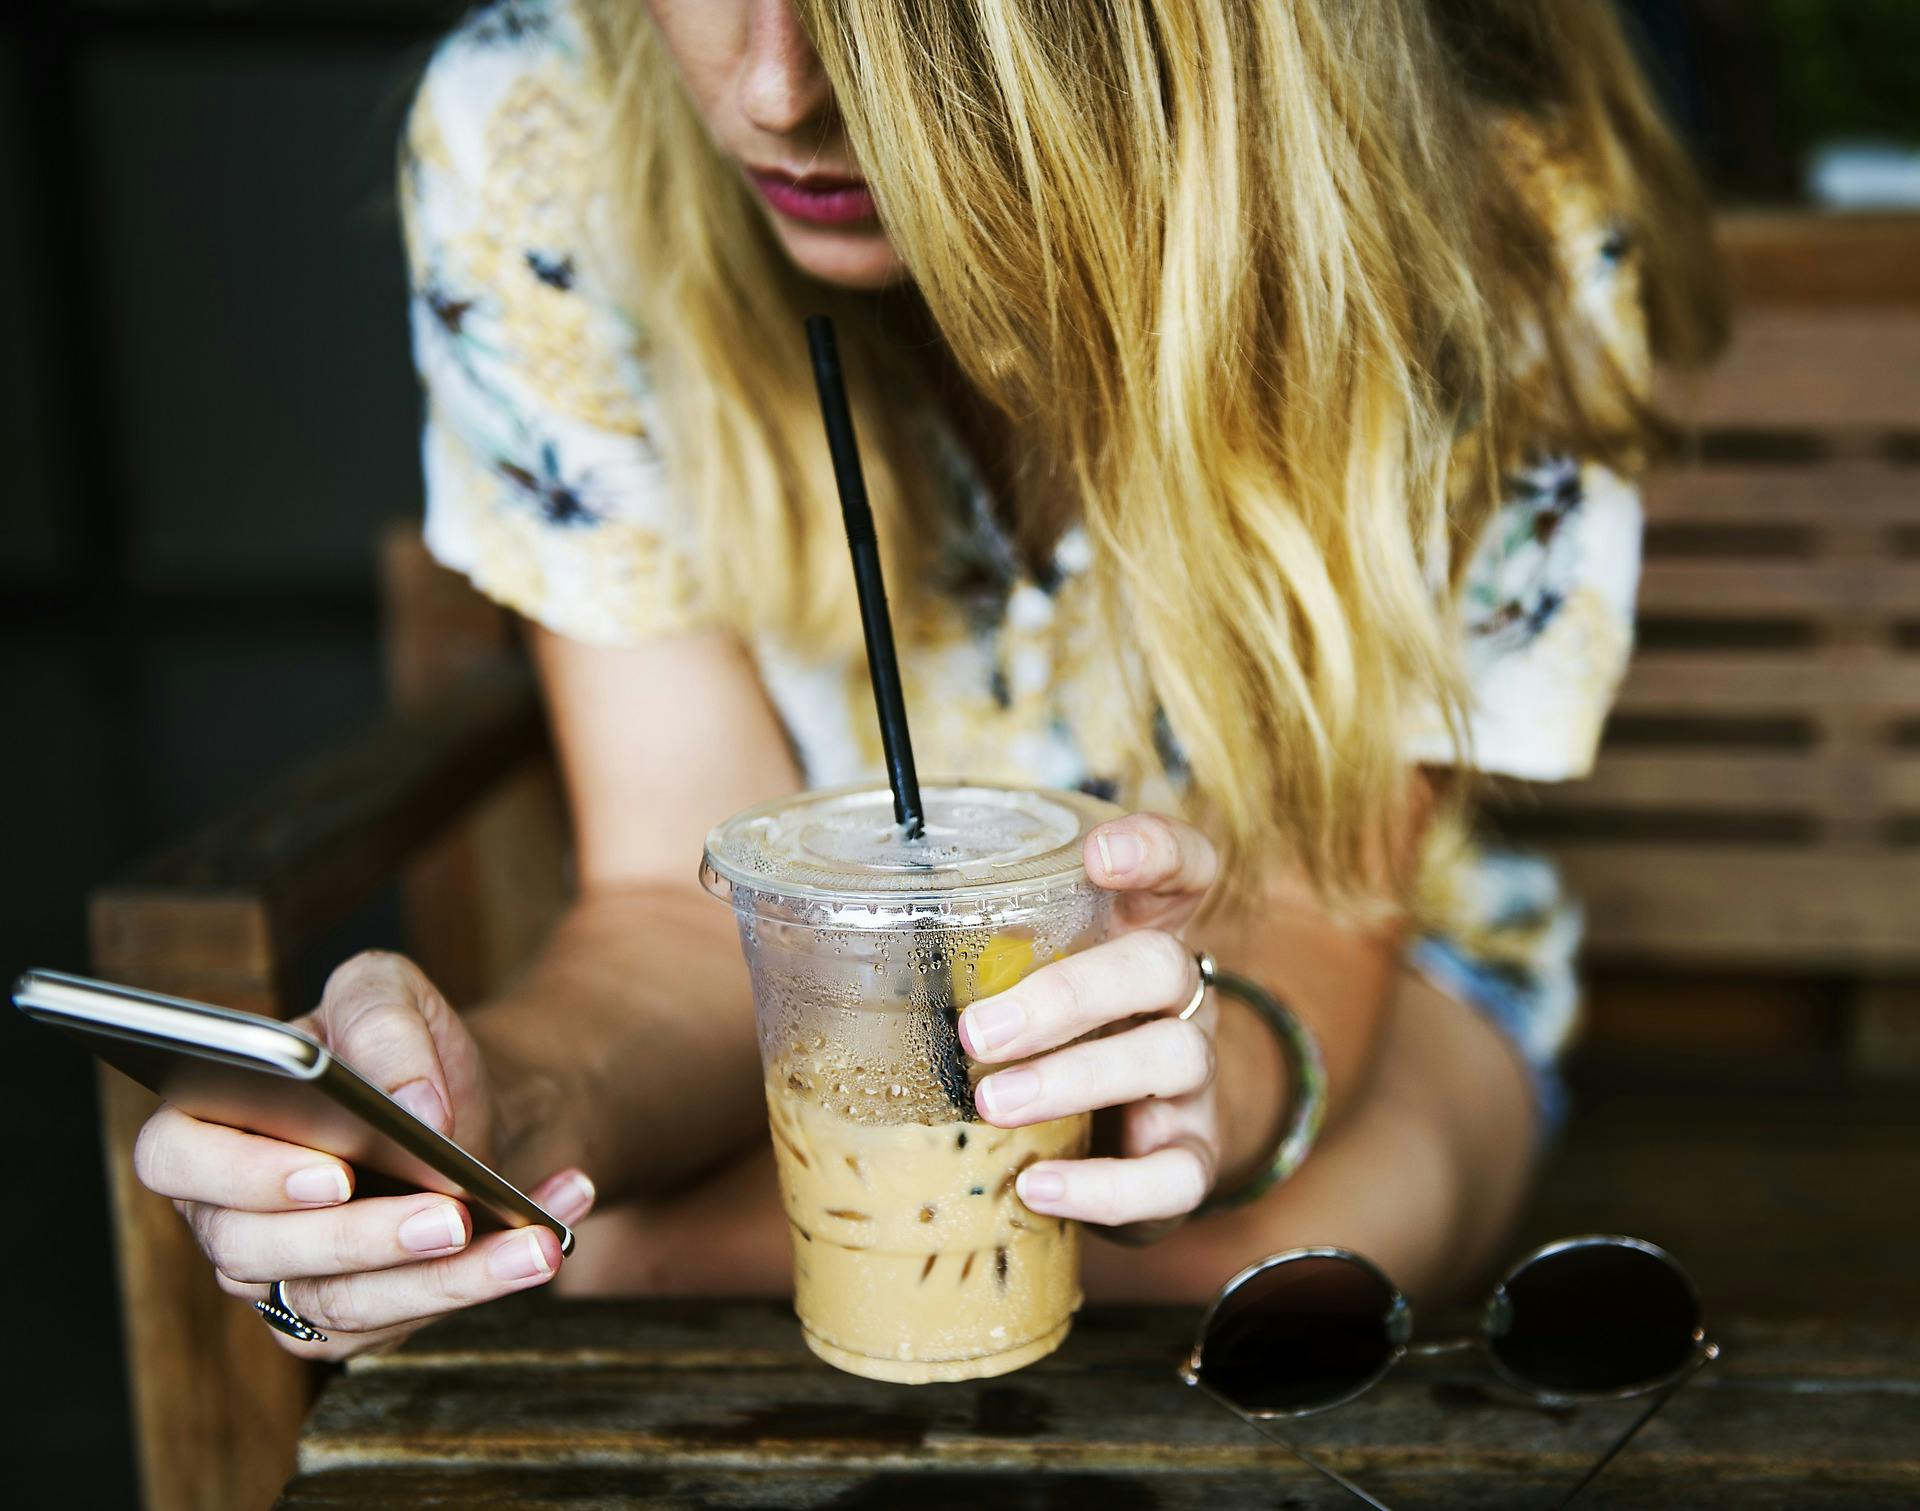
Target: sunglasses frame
{"x": 1483, "y": 1342}
{"x": 1399, "y": 1329}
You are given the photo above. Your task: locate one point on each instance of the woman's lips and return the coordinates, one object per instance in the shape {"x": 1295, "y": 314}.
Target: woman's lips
{"x": 816, "y": 199}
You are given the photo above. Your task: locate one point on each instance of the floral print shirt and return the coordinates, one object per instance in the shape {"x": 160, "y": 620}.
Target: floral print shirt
{"x": 543, "y": 487}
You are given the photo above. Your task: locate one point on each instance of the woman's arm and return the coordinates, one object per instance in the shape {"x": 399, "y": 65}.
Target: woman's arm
{"x": 625, "y": 1054}
{"x": 627, "y": 1047}
{"x": 1424, "y": 1175}
{"x": 1337, "y": 975}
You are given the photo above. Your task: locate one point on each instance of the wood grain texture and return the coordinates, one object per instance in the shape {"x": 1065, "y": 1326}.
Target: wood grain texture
{"x": 320, "y": 838}
{"x": 1797, "y": 257}
{"x": 219, "y": 917}
{"x": 1778, "y": 1186}
{"x": 632, "y": 1402}
{"x": 216, "y": 1404}
{"x": 1763, "y": 1183}
{"x": 1798, "y": 369}
{"x": 1279, "y": 1484}
{"x": 481, "y": 896}
{"x": 1845, "y": 492}
{"x": 1765, "y": 906}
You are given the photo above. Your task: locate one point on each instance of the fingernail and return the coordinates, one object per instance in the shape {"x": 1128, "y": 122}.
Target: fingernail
{"x": 1040, "y": 1186}
{"x": 434, "y": 1229}
{"x": 573, "y": 1198}
{"x": 521, "y": 1258}
{"x": 987, "y": 1025}
{"x": 419, "y": 1098}
{"x": 1009, "y": 1091}
{"x": 1119, "y": 853}
{"x": 318, "y": 1183}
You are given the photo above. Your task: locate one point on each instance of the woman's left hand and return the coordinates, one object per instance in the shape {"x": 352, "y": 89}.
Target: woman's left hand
{"x": 1160, "y": 1072}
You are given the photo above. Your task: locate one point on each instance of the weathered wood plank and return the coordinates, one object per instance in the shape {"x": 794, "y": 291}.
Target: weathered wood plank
{"x": 1799, "y": 257}
{"x": 1279, "y": 1482}
{"x": 1723, "y": 588}
{"x": 743, "y": 1335}
{"x": 669, "y": 1333}
{"x": 1787, "y": 1405}
{"x": 1696, "y": 682}
{"x": 1796, "y": 369}
{"x": 1853, "y": 493}
{"x": 1721, "y": 781}
{"x": 1777, "y": 1195}
{"x": 1141, "y": 1420}
{"x": 481, "y": 897}
{"x": 328, "y": 833}
{"x": 1746, "y": 905}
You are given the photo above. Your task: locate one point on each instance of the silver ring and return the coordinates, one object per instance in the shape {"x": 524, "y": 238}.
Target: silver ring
{"x": 282, "y": 1318}
{"x": 1204, "y": 962}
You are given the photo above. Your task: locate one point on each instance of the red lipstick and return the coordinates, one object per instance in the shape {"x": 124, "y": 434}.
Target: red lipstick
{"x": 818, "y": 199}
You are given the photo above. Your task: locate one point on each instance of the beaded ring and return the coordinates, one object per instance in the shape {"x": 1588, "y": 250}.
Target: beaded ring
{"x": 279, "y": 1315}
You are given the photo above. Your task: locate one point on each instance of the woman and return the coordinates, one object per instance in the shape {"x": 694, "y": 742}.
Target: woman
{"x": 1251, "y": 394}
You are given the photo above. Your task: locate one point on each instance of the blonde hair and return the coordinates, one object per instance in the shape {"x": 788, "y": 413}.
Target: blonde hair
{"x": 1241, "y": 274}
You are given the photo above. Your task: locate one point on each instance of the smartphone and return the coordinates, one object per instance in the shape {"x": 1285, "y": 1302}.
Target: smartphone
{"x": 261, "y": 1076}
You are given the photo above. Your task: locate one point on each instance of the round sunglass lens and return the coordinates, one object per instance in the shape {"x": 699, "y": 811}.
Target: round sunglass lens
{"x": 1301, "y": 1334}
{"x": 1595, "y": 1318}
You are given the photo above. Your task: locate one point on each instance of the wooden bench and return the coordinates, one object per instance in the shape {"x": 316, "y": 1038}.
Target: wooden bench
{"x": 452, "y": 798}
{"x": 665, "y": 1404}
{"x": 1756, "y": 806}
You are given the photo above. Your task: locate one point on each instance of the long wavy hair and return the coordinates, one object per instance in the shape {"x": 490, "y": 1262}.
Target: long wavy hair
{"x": 1255, "y": 288}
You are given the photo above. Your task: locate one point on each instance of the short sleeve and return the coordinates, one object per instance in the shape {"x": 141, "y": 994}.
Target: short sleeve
{"x": 1547, "y": 623}
{"x": 1547, "y": 601}
{"x": 541, "y": 484}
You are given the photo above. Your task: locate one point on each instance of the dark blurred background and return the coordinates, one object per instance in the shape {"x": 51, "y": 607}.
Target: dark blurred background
{"x": 208, "y": 416}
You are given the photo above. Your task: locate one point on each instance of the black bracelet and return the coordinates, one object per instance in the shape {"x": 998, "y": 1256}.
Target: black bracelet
{"x": 1309, "y": 1086}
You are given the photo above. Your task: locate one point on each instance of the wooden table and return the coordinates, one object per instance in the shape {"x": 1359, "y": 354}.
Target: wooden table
{"x": 680, "y": 1404}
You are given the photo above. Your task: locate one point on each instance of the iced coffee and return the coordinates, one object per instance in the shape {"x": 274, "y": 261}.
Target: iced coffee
{"x": 914, "y": 1258}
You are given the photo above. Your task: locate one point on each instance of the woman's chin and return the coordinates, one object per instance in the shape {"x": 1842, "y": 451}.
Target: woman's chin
{"x": 849, "y": 257}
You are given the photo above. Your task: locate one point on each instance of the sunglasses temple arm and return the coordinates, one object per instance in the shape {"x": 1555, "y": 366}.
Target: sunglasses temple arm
{"x": 1706, "y": 1355}
{"x": 1266, "y": 1429}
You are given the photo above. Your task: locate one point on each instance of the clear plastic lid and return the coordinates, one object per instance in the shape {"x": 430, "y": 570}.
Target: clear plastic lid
{"x": 841, "y": 846}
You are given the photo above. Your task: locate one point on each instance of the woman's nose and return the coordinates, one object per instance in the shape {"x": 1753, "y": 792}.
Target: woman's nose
{"x": 782, "y": 86}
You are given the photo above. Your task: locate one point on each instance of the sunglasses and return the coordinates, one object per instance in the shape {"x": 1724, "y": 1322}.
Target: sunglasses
{"x": 1600, "y": 1318}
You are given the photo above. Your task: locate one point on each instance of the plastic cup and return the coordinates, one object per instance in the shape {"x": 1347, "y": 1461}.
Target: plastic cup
{"x": 914, "y": 1259}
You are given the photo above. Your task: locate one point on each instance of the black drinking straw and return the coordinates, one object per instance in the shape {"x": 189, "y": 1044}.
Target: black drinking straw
{"x": 882, "y": 665}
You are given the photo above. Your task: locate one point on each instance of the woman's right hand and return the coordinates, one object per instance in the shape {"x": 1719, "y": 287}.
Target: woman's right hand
{"x": 367, "y": 1272}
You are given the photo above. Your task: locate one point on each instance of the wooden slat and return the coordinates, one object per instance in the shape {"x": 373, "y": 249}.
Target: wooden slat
{"x": 319, "y": 839}
{"x": 1722, "y": 781}
{"x": 1803, "y": 369}
{"x": 1817, "y": 589}
{"x": 1700, "y": 683}
{"x": 480, "y": 898}
{"x": 216, "y": 1406}
{"x": 1747, "y": 905}
{"x": 1280, "y": 1482}
{"x": 1801, "y": 257}
{"x": 1701, "y": 1152}
{"x": 220, "y": 917}
{"x": 1789, "y": 1404}
{"x": 1131, "y": 1415}
{"x": 1853, "y": 493}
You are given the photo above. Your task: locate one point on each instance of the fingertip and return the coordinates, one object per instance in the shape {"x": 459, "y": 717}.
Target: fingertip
{"x": 569, "y": 1195}
{"x": 1116, "y": 853}
{"x": 526, "y": 1255}
{"x": 325, "y": 1184}
{"x": 1041, "y": 1187}
{"x": 422, "y": 1098}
